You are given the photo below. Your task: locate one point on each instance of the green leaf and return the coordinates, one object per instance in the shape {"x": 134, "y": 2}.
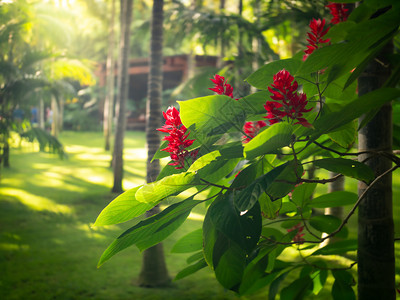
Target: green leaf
{"x": 301, "y": 195}
{"x": 319, "y": 279}
{"x": 153, "y": 230}
{"x": 229, "y": 237}
{"x": 253, "y": 104}
{"x": 191, "y": 242}
{"x": 269, "y": 209}
{"x": 337, "y": 248}
{"x": 191, "y": 269}
{"x": 123, "y": 208}
{"x": 274, "y": 287}
{"x": 325, "y": 223}
{"x": 212, "y": 115}
{"x": 333, "y": 121}
{"x": 269, "y": 141}
{"x": 249, "y": 174}
{"x": 263, "y": 77}
{"x": 298, "y": 289}
{"x": 341, "y": 289}
{"x": 345, "y": 135}
{"x": 249, "y": 196}
{"x": 169, "y": 170}
{"x": 347, "y": 167}
{"x": 285, "y": 182}
{"x": 156, "y": 191}
{"x": 362, "y": 39}
{"x": 161, "y": 154}
{"x": 204, "y": 161}
{"x": 334, "y": 199}
{"x": 242, "y": 228}
{"x": 195, "y": 257}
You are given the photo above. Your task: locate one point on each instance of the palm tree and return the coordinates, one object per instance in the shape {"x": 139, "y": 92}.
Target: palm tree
{"x": 109, "y": 99}
{"x": 376, "y": 260}
{"x": 154, "y": 271}
{"x": 123, "y": 82}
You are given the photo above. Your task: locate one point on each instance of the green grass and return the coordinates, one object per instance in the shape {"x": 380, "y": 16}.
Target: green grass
{"x": 48, "y": 249}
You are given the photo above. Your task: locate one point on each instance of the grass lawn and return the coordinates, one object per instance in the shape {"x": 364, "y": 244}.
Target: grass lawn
{"x": 48, "y": 249}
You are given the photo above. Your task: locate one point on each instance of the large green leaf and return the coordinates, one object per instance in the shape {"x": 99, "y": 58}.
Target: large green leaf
{"x": 253, "y": 104}
{"x": 346, "y": 135}
{"x": 123, "y": 208}
{"x": 274, "y": 287}
{"x": 341, "y": 289}
{"x": 229, "y": 237}
{"x": 319, "y": 279}
{"x": 151, "y": 231}
{"x": 334, "y": 199}
{"x": 285, "y": 182}
{"x": 158, "y": 190}
{"x": 333, "y": 121}
{"x": 325, "y": 223}
{"x": 269, "y": 141}
{"x": 249, "y": 196}
{"x": 191, "y": 269}
{"x": 191, "y": 242}
{"x": 263, "y": 77}
{"x": 361, "y": 39}
{"x": 337, "y": 248}
{"x": 301, "y": 195}
{"x": 212, "y": 115}
{"x": 204, "y": 161}
{"x": 298, "y": 289}
{"x": 347, "y": 167}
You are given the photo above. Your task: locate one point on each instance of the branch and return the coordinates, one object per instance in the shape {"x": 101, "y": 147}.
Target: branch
{"x": 323, "y": 181}
{"x": 222, "y": 186}
{"x": 344, "y": 222}
{"x": 340, "y": 153}
{"x": 392, "y": 156}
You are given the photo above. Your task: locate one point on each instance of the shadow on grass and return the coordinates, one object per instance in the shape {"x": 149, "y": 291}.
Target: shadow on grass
{"x": 48, "y": 249}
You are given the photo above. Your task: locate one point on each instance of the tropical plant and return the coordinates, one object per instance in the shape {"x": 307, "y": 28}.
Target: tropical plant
{"x": 32, "y": 70}
{"x": 251, "y": 177}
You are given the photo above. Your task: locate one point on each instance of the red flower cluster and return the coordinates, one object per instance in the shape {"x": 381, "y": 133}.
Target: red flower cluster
{"x": 315, "y": 37}
{"x": 291, "y": 104}
{"x": 252, "y": 129}
{"x": 338, "y": 11}
{"x": 298, "y": 238}
{"x": 177, "y": 138}
{"x": 221, "y": 87}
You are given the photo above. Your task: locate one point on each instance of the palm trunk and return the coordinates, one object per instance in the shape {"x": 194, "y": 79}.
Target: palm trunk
{"x": 109, "y": 99}
{"x": 54, "y": 122}
{"x": 376, "y": 262}
{"x": 154, "y": 271}
{"x": 123, "y": 82}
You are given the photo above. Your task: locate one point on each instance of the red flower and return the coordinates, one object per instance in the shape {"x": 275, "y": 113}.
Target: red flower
{"x": 315, "y": 37}
{"x": 221, "y": 87}
{"x": 338, "y": 11}
{"x": 252, "y": 129}
{"x": 177, "y": 138}
{"x": 299, "y": 236}
{"x": 291, "y": 104}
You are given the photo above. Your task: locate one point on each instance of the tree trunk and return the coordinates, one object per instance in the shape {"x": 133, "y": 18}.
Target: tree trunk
{"x": 109, "y": 99}
{"x": 41, "y": 113}
{"x": 54, "y": 121}
{"x": 154, "y": 271}
{"x": 123, "y": 82}
{"x": 6, "y": 153}
{"x": 220, "y": 61}
{"x": 376, "y": 262}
